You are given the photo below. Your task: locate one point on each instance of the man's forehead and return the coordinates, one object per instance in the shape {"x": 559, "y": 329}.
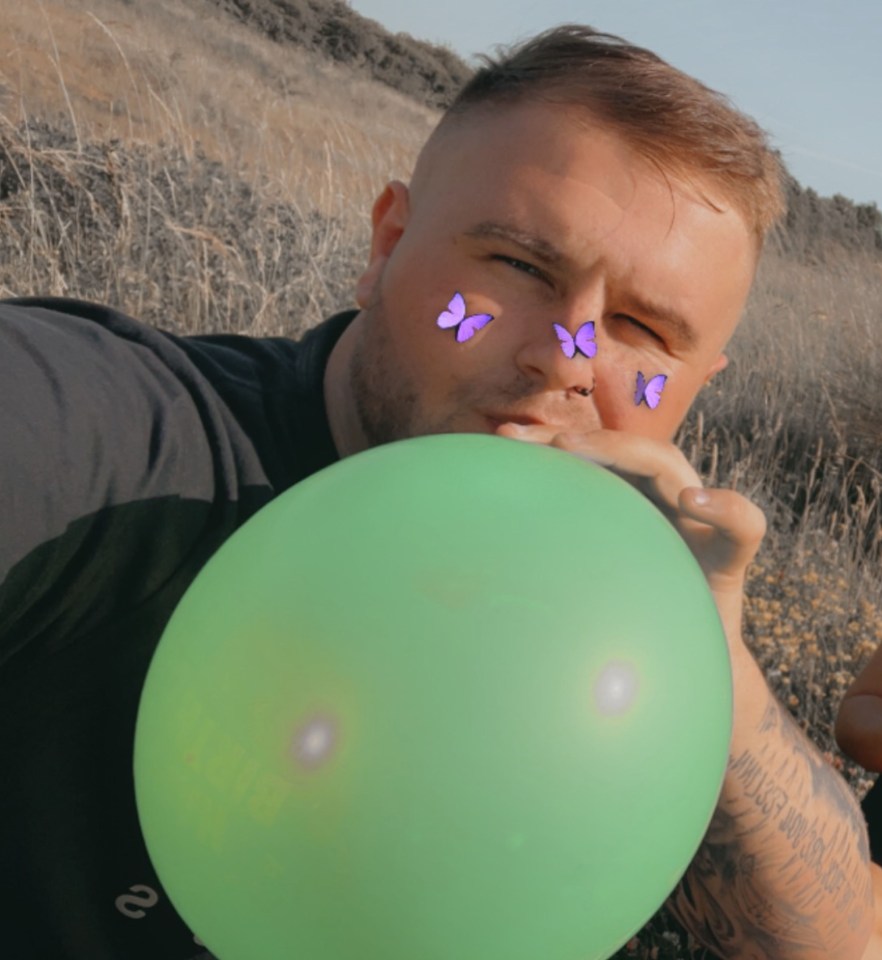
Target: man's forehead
{"x": 484, "y": 128}
{"x": 498, "y": 143}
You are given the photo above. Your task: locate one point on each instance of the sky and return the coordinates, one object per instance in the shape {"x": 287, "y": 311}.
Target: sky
{"x": 809, "y": 71}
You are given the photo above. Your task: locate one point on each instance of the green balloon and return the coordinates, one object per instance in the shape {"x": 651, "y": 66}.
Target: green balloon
{"x": 453, "y": 698}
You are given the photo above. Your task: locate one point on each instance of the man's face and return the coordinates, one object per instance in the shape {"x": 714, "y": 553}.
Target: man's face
{"x": 538, "y": 216}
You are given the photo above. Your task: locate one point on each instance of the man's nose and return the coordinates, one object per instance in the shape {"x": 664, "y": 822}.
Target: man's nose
{"x": 559, "y": 354}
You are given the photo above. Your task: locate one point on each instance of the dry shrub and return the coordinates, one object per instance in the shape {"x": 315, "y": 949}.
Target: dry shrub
{"x": 175, "y": 241}
{"x": 426, "y": 72}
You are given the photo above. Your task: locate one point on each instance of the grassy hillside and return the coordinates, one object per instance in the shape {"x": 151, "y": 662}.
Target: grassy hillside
{"x": 183, "y": 165}
{"x": 187, "y": 74}
{"x": 331, "y": 28}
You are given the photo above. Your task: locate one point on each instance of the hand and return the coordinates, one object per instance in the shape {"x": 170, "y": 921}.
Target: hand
{"x": 722, "y": 528}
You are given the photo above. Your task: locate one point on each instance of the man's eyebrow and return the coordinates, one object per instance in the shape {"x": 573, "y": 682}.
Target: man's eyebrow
{"x": 541, "y": 248}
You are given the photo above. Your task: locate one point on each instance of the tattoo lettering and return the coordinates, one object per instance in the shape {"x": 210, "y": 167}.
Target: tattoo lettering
{"x": 826, "y": 784}
{"x": 758, "y": 785}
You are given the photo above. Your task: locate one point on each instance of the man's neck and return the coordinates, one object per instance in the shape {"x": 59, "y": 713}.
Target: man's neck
{"x": 340, "y": 404}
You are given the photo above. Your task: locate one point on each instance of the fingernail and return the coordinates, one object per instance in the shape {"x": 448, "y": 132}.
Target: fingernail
{"x": 701, "y": 499}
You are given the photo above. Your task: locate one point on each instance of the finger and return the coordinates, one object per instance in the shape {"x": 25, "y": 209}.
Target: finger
{"x": 531, "y": 433}
{"x": 738, "y": 524}
{"x": 657, "y": 468}
{"x": 632, "y": 454}
{"x": 551, "y": 436}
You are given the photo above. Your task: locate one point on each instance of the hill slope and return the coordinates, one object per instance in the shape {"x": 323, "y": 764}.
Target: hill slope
{"x": 426, "y": 72}
{"x": 814, "y": 229}
{"x": 186, "y": 72}
{"x": 323, "y": 86}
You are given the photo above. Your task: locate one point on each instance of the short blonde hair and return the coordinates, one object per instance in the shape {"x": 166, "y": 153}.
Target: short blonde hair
{"x": 677, "y": 123}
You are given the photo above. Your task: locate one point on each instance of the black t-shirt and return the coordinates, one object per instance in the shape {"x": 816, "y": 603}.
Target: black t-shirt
{"x": 127, "y": 456}
{"x": 872, "y": 808}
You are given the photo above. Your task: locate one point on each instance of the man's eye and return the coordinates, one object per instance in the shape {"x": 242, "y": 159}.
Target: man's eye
{"x": 520, "y": 265}
{"x": 634, "y": 322}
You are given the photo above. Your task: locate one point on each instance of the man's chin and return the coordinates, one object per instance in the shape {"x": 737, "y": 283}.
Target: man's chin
{"x": 472, "y": 423}
{"x": 476, "y": 423}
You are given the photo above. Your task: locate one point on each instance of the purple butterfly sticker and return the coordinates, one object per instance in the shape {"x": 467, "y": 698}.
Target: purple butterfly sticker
{"x": 649, "y": 391}
{"x": 455, "y": 316}
{"x": 583, "y": 342}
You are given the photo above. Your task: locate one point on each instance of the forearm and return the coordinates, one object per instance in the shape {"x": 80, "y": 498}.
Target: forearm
{"x": 783, "y": 871}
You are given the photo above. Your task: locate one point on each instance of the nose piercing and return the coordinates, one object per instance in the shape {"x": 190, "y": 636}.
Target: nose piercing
{"x": 583, "y": 391}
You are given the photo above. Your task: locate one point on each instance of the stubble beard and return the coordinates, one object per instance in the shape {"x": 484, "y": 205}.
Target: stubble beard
{"x": 388, "y": 402}
{"x": 386, "y": 398}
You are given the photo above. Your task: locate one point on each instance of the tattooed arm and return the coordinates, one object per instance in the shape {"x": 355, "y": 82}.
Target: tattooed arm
{"x": 784, "y": 870}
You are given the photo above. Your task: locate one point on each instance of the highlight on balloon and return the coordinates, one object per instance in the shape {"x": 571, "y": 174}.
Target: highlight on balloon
{"x": 315, "y": 741}
{"x": 582, "y": 343}
{"x": 649, "y": 391}
{"x": 455, "y": 316}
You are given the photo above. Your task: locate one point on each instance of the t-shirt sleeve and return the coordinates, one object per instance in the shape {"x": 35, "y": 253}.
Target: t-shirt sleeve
{"x": 100, "y": 442}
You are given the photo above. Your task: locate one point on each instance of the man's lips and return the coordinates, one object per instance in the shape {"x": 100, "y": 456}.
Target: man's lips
{"x": 524, "y": 419}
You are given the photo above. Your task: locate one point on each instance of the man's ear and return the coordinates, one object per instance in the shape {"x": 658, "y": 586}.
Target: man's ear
{"x": 719, "y": 364}
{"x": 388, "y": 218}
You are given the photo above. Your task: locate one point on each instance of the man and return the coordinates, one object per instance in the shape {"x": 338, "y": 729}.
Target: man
{"x": 566, "y": 267}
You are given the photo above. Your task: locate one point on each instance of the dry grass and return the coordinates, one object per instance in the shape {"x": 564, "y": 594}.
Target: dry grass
{"x": 176, "y": 241}
{"x": 163, "y": 118}
{"x": 797, "y": 426}
{"x": 169, "y": 162}
{"x": 179, "y": 72}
